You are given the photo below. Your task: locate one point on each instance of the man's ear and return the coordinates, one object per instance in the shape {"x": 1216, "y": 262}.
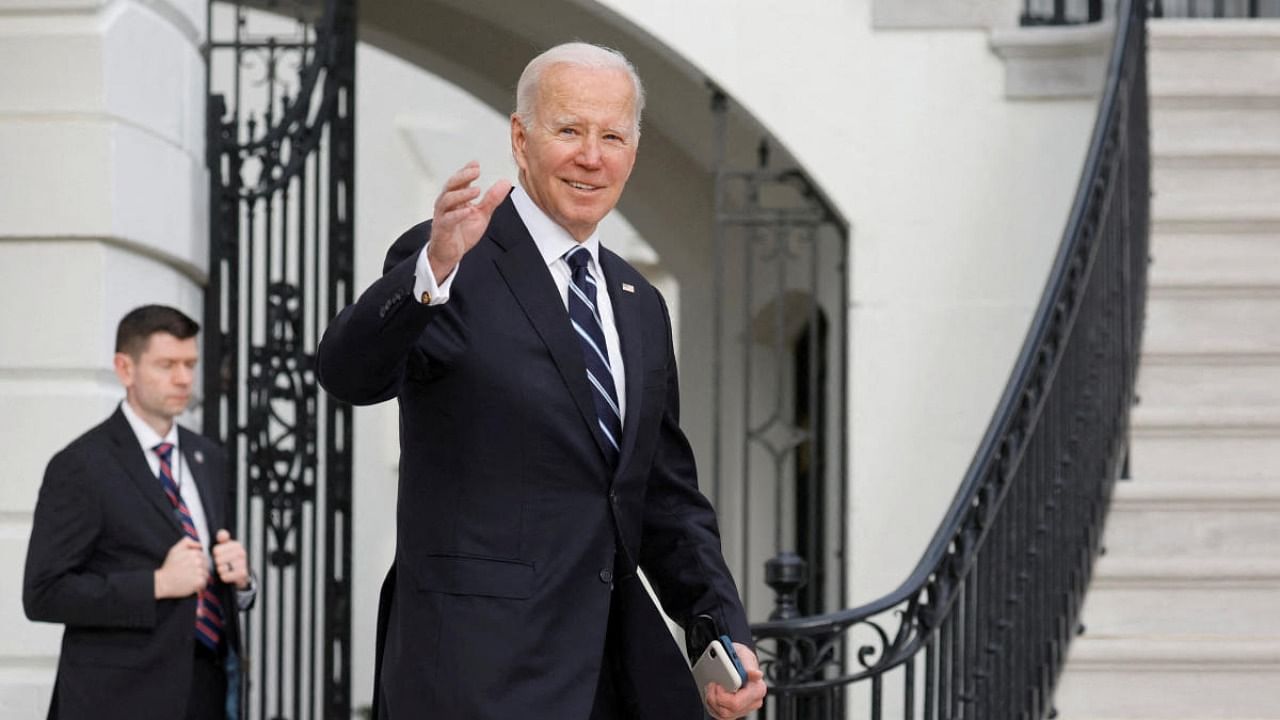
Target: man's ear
{"x": 519, "y": 141}
{"x": 123, "y": 365}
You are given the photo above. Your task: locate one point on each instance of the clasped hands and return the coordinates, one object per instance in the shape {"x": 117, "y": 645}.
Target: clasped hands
{"x": 185, "y": 573}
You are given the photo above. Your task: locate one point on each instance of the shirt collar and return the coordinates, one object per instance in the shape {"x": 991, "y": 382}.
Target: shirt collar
{"x": 552, "y": 240}
{"x": 148, "y": 438}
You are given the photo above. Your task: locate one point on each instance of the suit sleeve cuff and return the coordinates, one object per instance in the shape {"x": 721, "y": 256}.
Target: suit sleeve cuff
{"x": 425, "y": 287}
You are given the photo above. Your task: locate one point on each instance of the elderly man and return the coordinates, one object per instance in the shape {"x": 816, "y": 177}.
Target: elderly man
{"x": 130, "y": 547}
{"x": 542, "y": 459}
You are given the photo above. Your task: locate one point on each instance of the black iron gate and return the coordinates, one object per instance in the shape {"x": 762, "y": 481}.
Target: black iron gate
{"x": 280, "y": 152}
{"x": 780, "y": 337}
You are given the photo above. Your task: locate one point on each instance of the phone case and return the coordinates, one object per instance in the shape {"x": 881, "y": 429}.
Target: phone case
{"x": 717, "y": 666}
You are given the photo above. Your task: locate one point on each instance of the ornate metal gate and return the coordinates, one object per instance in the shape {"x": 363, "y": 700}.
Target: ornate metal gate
{"x": 280, "y": 151}
{"x": 780, "y": 336}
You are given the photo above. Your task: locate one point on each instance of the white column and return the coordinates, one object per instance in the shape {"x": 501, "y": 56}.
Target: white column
{"x": 103, "y": 196}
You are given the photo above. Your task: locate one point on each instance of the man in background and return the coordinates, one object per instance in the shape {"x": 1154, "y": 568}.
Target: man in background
{"x": 130, "y": 548}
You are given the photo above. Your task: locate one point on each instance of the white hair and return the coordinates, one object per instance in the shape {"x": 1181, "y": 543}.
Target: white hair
{"x": 575, "y": 54}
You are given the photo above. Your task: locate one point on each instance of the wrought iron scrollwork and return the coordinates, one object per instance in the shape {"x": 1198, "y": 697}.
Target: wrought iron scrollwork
{"x": 981, "y": 627}
{"x": 280, "y": 154}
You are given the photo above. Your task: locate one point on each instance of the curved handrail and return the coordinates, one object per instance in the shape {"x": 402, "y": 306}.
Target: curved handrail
{"x": 926, "y": 597}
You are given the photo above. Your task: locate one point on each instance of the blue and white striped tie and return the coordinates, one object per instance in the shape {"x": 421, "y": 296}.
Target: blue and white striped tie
{"x": 586, "y": 323}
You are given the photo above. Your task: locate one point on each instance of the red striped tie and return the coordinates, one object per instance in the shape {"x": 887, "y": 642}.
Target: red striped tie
{"x": 208, "y": 608}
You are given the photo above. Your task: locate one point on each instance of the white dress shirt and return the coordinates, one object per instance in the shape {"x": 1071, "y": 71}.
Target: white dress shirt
{"x": 148, "y": 438}
{"x": 553, "y": 242}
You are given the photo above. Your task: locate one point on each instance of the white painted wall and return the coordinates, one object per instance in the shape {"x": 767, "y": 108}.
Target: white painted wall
{"x": 102, "y": 197}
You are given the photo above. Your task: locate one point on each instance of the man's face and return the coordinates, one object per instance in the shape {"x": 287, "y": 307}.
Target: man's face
{"x": 158, "y": 382}
{"x": 580, "y": 146}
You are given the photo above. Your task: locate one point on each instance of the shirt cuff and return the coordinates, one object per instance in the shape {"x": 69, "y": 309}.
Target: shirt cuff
{"x": 425, "y": 287}
{"x": 245, "y": 597}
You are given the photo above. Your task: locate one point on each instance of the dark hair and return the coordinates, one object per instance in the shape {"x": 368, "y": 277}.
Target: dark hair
{"x": 137, "y": 327}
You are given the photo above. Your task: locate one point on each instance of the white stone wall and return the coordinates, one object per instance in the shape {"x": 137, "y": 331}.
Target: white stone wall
{"x": 103, "y": 200}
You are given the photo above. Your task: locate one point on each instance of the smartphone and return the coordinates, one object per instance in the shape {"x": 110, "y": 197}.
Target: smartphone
{"x": 719, "y": 664}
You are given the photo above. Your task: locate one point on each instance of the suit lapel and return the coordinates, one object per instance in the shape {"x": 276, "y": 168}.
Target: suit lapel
{"x": 199, "y": 473}
{"x": 626, "y": 309}
{"x": 130, "y": 456}
{"x": 525, "y": 272}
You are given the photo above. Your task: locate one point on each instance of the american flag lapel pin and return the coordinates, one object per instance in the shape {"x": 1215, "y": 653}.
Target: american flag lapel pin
{"x": 628, "y": 287}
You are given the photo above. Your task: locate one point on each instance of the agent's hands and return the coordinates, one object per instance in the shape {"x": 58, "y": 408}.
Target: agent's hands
{"x": 230, "y": 561}
{"x": 458, "y": 224}
{"x": 183, "y": 572}
{"x": 724, "y": 705}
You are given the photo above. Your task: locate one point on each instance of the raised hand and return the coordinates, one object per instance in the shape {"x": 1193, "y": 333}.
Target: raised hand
{"x": 458, "y": 222}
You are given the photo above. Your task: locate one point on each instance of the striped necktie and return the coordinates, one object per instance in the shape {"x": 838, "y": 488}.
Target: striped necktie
{"x": 586, "y": 323}
{"x": 208, "y": 608}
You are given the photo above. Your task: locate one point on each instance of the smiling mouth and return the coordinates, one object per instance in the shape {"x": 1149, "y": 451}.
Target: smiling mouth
{"x": 581, "y": 186}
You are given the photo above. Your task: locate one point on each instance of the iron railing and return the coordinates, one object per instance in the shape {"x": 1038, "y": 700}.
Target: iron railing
{"x": 980, "y": 629}
{"x": 1215, "y": 8}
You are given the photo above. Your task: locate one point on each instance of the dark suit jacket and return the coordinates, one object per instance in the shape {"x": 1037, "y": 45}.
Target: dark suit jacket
{"x": 102, "y": 526}
{"x": 515, "y": 539}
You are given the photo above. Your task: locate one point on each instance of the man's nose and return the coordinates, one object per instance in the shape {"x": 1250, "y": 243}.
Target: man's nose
{"x": 589, "y": 152}
{"x": 183, "y": 375}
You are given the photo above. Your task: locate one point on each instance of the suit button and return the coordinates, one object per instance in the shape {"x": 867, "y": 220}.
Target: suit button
{"x": 613, "y": 498}
{"x": 606, "y": 576}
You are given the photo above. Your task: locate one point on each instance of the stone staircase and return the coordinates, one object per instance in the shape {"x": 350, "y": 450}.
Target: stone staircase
{"x": 1183, "y": 617}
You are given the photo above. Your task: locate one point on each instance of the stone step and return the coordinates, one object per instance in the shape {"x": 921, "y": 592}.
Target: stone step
{"x": 1214, "y": 57}
{"x": 1171, "y": 678}
{"x": 1214, "y": 125}
{"x": 1204, "y": 320}
{"x": 1193, "y": 521}
{"x": 1179, "y": 597}
{"x": 1216, "y": 187}
{"x": 1215, "y": 259}
{"x": 1199, "y": 445}
{"x": 1209, "y": 381}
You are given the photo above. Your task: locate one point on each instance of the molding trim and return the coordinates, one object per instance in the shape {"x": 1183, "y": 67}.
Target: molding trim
{"x": 1219, "y": 35}
{"x": 1054, "y": 62}
{"x": 943, "y": 14}
{"x": 183, "y": 267}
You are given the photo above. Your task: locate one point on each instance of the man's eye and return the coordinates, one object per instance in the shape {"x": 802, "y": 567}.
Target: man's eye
{"x": 568, "y": 131}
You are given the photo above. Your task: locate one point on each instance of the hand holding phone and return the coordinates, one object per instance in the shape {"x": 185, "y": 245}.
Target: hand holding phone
{"x": 719, "y": 664}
